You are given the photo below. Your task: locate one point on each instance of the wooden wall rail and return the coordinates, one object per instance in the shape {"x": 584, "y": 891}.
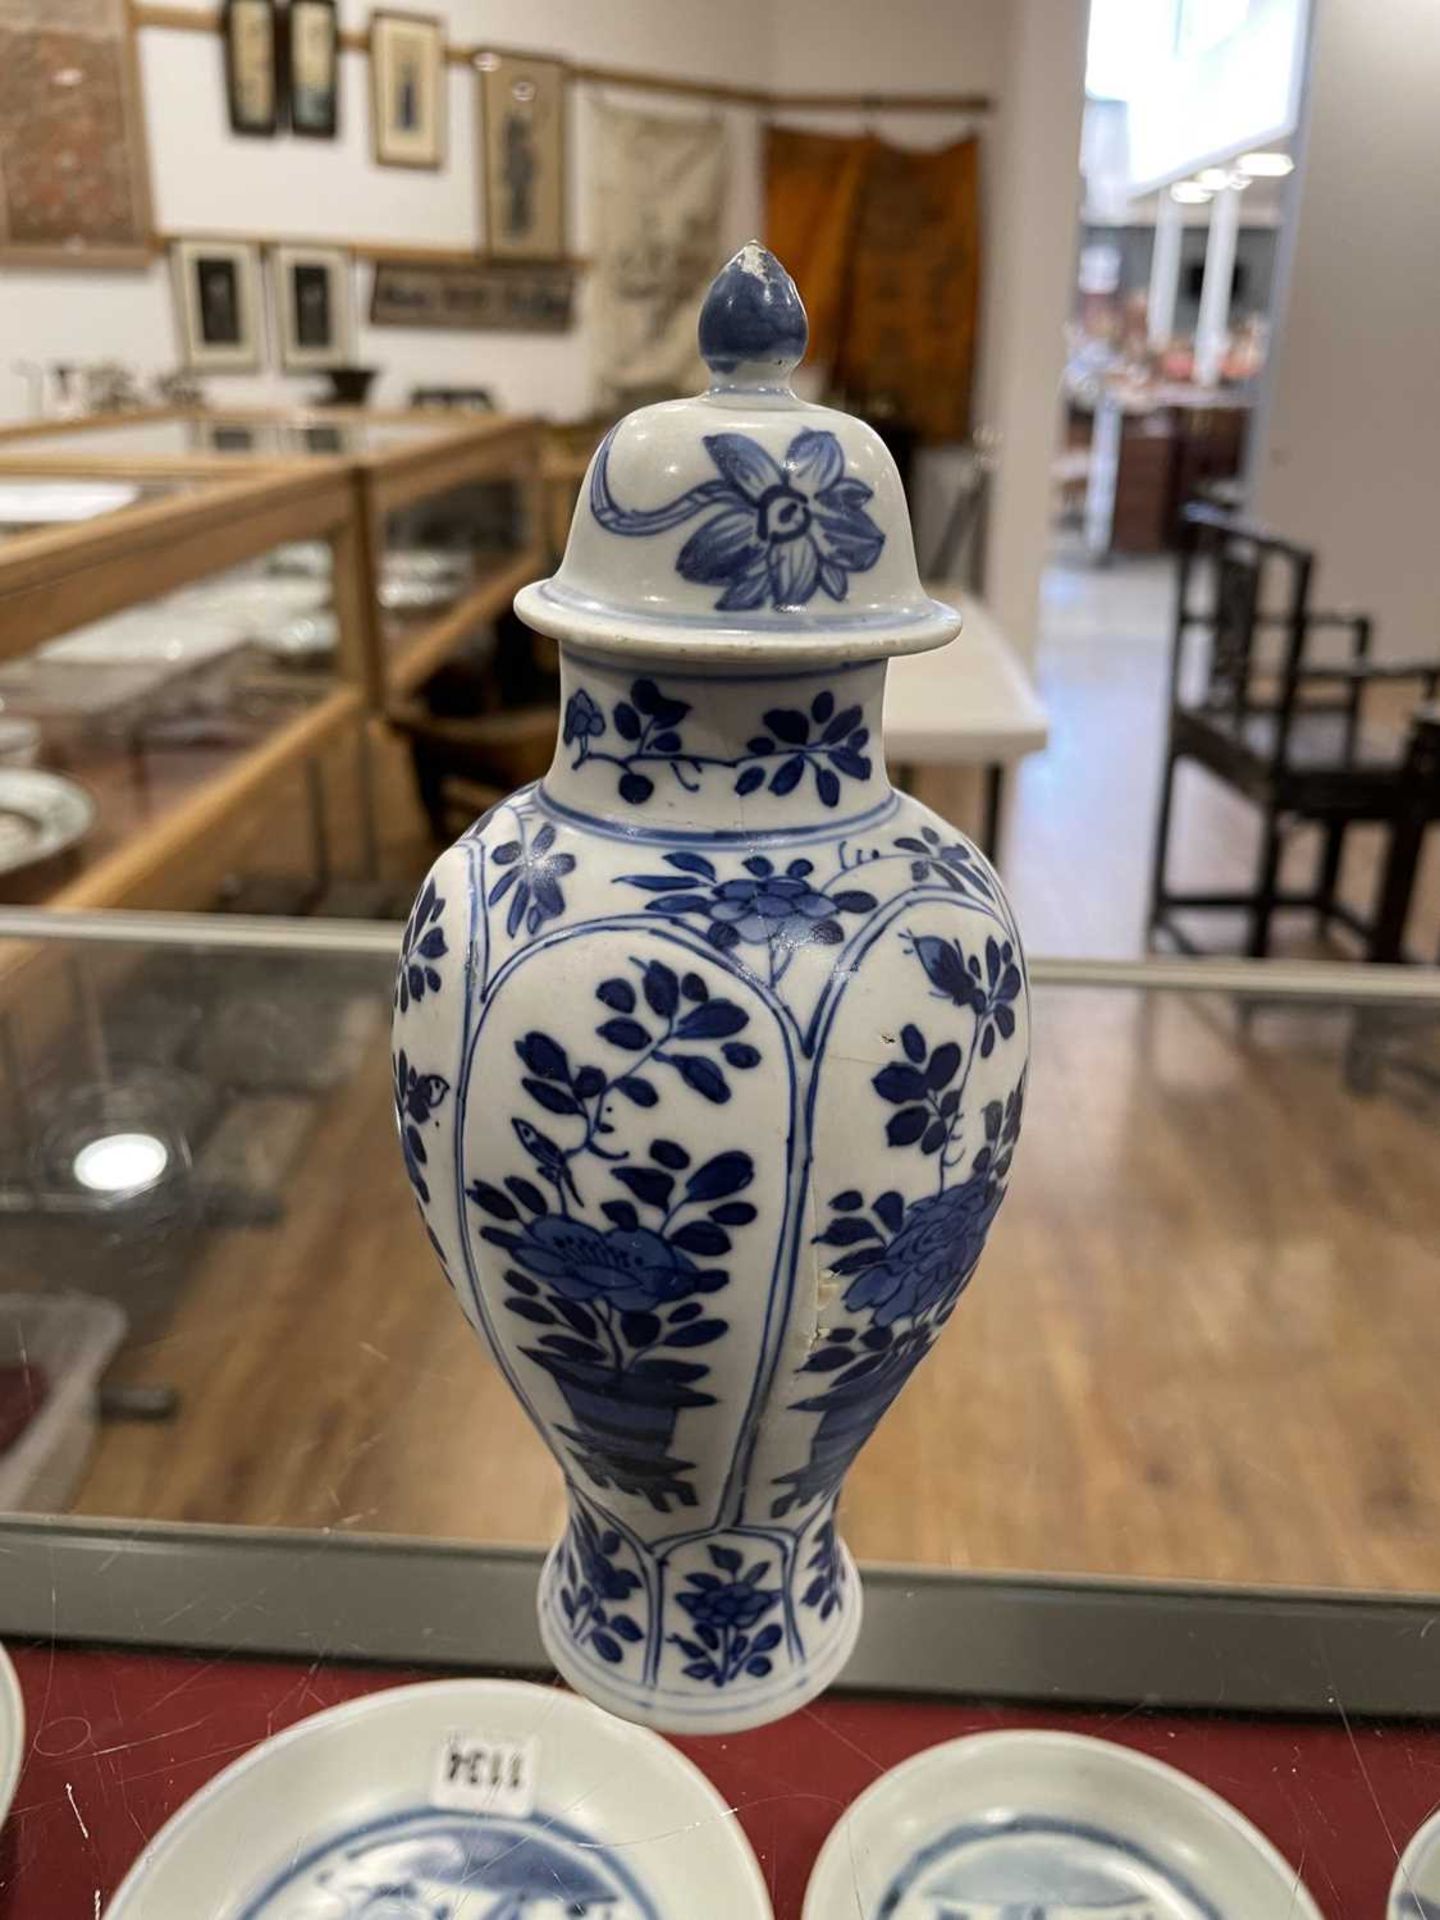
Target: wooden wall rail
{"x": 399, "y": 252}
{"x": 766, "y": 99}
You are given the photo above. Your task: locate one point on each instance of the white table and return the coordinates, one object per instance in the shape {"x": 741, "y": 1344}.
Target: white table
{"x": 970, "y": 704}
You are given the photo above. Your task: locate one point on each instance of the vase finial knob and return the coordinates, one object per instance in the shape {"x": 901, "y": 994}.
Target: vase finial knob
{"x": 753, "y": 321}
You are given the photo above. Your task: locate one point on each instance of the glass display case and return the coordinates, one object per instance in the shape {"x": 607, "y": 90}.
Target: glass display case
{"x": 175, "y": 650}
{"x": 1167, "y": 1479}
{"x": 448, "y": 505}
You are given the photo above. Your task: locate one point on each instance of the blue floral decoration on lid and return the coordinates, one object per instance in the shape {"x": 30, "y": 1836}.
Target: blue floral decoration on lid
{"x": 753, "y": 316}
{"x": 773, "y": 534}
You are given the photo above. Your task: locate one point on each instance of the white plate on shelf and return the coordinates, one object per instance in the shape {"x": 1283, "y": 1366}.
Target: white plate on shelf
{"x": 149, "y": 637}
{"x": 405, "y": 594}
{"x": 309, "y": 637}
{"x": 342, "y": 1818}
{"x": 425, "y": 563}
{"x": 310, "y": 558}
{"x": 41, "y": 814}
{"x": 244, "y": 600}
{"x": 1050, "y": 1826}
{"x": 1415, "y": 1890}
{"x": 42, "y": 503}
{"x": 12, "y": 1733}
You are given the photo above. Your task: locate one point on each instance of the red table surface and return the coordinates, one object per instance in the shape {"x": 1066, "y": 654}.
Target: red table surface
{"x": 118, "y": 1741}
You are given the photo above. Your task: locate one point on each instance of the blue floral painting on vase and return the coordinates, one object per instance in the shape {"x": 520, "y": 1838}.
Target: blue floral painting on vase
{"x": 418, "y": 1098}
{"x": 645, "y": 730}
{"x": 422, "y": 948}
{"x": 777, "y": 911}
{"x": 531, "y": 872}
{"x": 726, "y": 1608}
{"x": 599, "y": 1594}
{"x": 616, "y": 1279}
{"x": 906, "y": 1261}
{"x": 774, "y": 532}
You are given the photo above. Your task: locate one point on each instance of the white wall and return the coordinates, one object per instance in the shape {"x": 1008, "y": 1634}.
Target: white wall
{"x": 1346, "y": 453}
{"x": 1036, "y": 162}
{"x": 835, "y": 46}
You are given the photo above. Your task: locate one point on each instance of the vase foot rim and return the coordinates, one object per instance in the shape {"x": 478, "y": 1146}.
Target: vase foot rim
{"x": 759, "y": 1706}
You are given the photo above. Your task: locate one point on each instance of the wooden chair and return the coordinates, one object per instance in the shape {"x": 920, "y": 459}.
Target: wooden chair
{"x": 1283, "y": 728}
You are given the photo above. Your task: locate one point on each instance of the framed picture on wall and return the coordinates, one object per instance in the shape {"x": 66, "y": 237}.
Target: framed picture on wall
{"x": 407, "y": 89}
{"x": 217, "y": 304}
{"x": 250, "y": 33}
{"x": 522, "y": 114}
{"x": 312, "y": 66}
{"x": 314, "y": 307}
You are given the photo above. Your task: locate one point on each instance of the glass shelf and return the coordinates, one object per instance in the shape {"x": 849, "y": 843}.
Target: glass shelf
{"x": 1198, "y": 1347}
{"x": 1183, "y": 1410}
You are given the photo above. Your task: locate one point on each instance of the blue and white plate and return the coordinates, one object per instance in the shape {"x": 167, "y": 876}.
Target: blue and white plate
{"x": 1047, "y": 1826}
{"x": 455, "y": 1800}
{"x": 1415, "y": 1890}
{"x": 12, "y": 1733}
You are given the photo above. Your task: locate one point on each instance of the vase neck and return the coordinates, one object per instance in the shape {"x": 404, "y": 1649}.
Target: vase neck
{"x": 645, "y": 749}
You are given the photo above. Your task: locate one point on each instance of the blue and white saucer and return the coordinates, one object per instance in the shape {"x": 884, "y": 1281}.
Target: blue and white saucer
{"x": 456, "y": 1800}
{"x": 1047, "y": 1826}
{"x": 1415, "y": 1890}
{"x": 12, "y": 1733}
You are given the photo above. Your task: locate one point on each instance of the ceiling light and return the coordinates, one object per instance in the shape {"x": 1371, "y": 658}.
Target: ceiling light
{"x": 1190, "y": 193}
{"x": 121, "y": 1163}
{"x": 1213, "y": 177}
{"x": 1266, "y": 166}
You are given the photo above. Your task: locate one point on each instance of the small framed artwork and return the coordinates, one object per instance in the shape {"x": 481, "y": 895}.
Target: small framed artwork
{"x": 251, "y": 34}
{"x": 407, "y": 89}
{"x": 217, "y": 298}
{"x": 312, "y": 68}
{"x": 522, "y": 108}
{"x": 314, "y": 307}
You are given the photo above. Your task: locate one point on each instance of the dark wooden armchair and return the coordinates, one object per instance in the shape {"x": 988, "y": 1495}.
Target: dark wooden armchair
{"x": 1278, "y": 724}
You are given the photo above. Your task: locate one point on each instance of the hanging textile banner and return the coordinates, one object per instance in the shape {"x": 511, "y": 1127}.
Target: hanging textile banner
{"x": 909, "y": 339}
{"x": 885, "y": 245}
{"x": 659, "y": 205}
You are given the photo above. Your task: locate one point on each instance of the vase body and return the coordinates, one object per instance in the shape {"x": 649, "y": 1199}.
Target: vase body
{"x": 710, "y": 1058}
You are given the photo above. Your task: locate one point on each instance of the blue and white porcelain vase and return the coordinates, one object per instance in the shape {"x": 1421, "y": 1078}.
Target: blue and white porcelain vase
{"x": 710, "y": 1047}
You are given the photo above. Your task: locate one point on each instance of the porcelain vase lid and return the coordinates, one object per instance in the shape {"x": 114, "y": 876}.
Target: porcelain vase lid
{"x": 745, "y": 521}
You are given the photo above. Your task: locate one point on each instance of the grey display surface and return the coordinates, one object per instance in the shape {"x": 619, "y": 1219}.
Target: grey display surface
{"x": 355, "y": 1597}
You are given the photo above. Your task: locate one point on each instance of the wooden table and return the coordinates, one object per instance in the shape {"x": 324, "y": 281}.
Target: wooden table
{"x": 970, "y": 704}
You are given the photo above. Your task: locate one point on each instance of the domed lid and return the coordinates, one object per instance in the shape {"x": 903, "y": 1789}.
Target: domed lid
{"x": 745, "y": 521}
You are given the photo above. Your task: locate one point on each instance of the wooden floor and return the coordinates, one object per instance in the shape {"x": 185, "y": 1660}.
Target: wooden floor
{"x": 1201, "y": 1345}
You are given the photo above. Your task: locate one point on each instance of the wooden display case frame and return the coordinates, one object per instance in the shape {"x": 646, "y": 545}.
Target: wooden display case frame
{"x": 55, "y": 580}
{"x": 450, "y": 450}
